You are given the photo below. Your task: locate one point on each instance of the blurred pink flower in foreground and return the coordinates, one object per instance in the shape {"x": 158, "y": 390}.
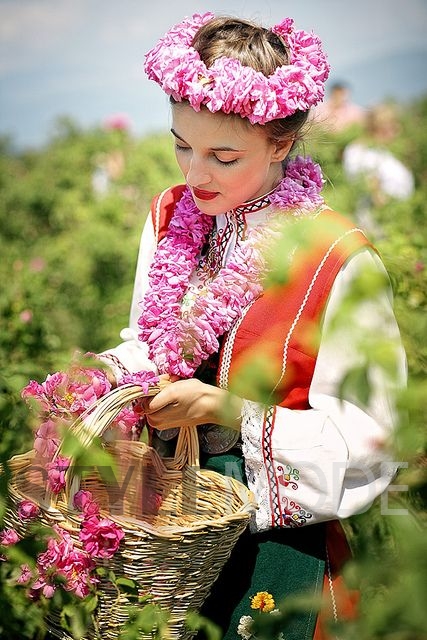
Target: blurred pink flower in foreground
{"x": 37, "y": 264}
{"x": 25, "y": 575}
{"x": 26, "y": 316}
{"x": 46, "y": 441}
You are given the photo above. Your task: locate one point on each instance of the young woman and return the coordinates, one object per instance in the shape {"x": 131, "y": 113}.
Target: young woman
{"x": 204, "y": 314}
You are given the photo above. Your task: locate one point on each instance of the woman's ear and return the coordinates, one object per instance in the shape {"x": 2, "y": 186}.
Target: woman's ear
{"x": 282, "y": 148}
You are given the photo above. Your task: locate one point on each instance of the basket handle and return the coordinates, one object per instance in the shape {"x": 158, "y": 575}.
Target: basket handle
{"x": 94, "y": 423}
{"x": 186, "y": 450}
{"x": 98, "y": 418}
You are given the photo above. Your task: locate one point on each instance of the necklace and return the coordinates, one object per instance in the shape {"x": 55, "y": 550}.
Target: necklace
{"x": 180, "y": 337}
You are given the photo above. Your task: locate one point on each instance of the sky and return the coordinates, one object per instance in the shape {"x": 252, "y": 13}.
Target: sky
{"x": 84, "y": 58}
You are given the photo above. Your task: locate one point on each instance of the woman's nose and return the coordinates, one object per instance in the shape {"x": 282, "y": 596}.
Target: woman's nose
{"x": 197, "y": 174}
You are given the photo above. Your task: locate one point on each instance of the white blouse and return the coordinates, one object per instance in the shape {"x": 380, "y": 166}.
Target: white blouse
{"x": 332, "y": 460}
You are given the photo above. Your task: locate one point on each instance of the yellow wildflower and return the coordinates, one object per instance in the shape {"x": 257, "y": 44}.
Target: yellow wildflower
{"x": 263, "y": 601}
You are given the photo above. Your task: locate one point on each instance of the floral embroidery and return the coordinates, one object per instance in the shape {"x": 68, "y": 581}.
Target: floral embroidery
{"x": 285, "y": 512}
{"x": 287, "y": 479}
{"x": 294, "y": 515}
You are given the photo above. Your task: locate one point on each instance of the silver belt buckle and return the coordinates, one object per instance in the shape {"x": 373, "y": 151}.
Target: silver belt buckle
{"x": 167, "y": 434}
{"x": 214, "y": 438}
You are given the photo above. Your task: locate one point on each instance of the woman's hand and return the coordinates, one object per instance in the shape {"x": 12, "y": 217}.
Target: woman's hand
{"x": 190, "y": 403}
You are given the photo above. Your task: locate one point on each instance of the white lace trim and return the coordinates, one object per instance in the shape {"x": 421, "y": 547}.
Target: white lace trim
{"x": 228, "y": 348}
{"x": 251, "y": 432}
{"x": 157, "y": 214}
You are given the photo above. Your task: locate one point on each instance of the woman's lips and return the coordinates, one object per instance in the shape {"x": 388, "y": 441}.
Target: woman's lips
{"x": 204, "y": 195}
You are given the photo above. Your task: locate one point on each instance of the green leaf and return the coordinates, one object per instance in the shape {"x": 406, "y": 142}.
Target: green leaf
{"x": 197, "y": 622}
{"x": 127, "y": 585}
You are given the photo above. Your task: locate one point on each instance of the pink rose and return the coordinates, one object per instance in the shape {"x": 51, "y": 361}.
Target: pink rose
{"x": 100, "y": 537}
{"x": 61, "y": 558}
{"x": 44, "y": 587}
{"x": 119, "y": 121}
{"x": 36, "y": 391}
{"x": 8, "y": 537}
{"x": 142, "y": 378}
{"x": 26, "y": 316}
{"x": 25, "y": 575}
{"x": 127, "y": 419}
{"x": 56, "y": 474}
{"x": 83, "y": 501}
{"x": 68, "y": 393}
{"x": 27, "y": 510}
{"x": 46, "y": 442}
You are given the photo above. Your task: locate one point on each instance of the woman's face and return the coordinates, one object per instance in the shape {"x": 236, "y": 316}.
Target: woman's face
{"x": 224, "y": 161}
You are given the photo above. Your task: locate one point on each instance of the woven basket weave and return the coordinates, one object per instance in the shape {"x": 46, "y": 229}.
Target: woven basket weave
{"x": 180, "y": 522}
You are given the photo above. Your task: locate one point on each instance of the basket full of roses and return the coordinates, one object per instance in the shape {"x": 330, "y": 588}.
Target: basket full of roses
{"x": 164, "y": 524}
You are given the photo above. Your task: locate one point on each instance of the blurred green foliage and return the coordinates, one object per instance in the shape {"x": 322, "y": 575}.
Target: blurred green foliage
{"x": 71, "y": 215}
{"x": 69, "y": 245}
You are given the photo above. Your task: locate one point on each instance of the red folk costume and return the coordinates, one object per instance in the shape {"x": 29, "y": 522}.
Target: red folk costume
{"x": 309, "y": 455}
{"x": 295, "y": 434}
{"x": 278, "y": 331}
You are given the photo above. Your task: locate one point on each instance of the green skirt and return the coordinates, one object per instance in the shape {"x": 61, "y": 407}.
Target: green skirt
{"x": 281, "y": 561}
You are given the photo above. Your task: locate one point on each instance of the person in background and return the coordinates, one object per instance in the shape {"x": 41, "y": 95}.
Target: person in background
{"x": 369, "y": 157}
{"x": 369, "y": 161}
{"x": 203, "y": 314}
{"x": 109, "y": 167}
{"x": 338, "y": 112}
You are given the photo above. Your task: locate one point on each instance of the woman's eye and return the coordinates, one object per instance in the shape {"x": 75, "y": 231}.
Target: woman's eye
{"x": 182, "y": 149}
{"x": 226, "y": 161}
{"x": 179, "y": 147}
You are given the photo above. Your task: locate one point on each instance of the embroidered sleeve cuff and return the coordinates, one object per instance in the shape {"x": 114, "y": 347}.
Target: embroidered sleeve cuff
{"x": 128, "y": 357}
{"x": 295, "y": 465}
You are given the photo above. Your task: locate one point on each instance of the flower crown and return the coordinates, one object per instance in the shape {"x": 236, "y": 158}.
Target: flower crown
{"x": 231, "y": 87}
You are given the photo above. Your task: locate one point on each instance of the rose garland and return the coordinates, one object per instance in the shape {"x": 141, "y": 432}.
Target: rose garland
{"x": 179, "y": 339}
{"x": 231, "y": 87}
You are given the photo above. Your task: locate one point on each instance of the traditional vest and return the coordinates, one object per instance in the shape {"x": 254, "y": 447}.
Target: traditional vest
{"x": 278, "y": 334}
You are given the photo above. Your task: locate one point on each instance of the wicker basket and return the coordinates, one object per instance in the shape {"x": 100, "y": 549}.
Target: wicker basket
{"x": 180, "y": 522}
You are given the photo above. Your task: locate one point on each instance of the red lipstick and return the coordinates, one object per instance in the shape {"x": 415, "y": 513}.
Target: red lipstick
{"x": 200, "y": 194}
